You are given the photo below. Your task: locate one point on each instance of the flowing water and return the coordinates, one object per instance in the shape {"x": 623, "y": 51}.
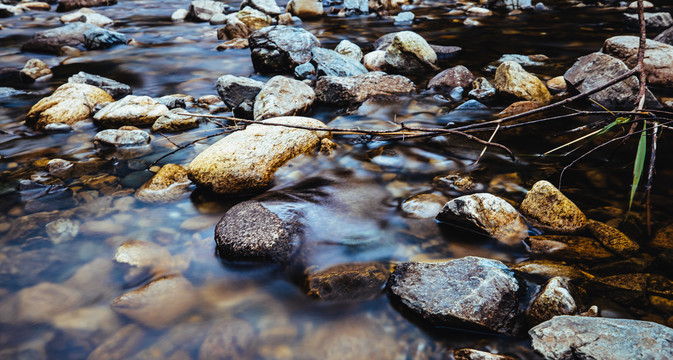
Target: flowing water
{"x": 181, "y": 58}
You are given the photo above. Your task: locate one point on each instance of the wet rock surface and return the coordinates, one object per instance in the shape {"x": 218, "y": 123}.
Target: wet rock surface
{"x": 568, "y": 248}
{"x": 171, "y": 183}
{"x": 239, "y": 93}
{"x": 348, "y": 282}
{"x": 51, "y": 41}
{"x": 658, "y": 61}
{"x": 488, "y": 214}
{"x": 116, "y": 89}
{"x": 331, "y": 63}
{"x": 408, "y": 52}
{"x": 282, "y": 96}
{"x": 235, "y": 166}
{"x": 557, "y": 297}
{"x": 131, "y": 110}
{"x": 280, "y": 48}
{"x": 547, "y": 208}
{"x": 173, "y": 122}
{"x": 357, "y": 89}
{"x": 471, "y": 291}
{"x": 601, "y": 338}
{"x": 612, "y": 238}
{"x": 511, "y": 78}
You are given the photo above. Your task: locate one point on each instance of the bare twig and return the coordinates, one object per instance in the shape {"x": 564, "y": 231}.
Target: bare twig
{"x": 180, "y": 147}
{"x": 650, "y": 177}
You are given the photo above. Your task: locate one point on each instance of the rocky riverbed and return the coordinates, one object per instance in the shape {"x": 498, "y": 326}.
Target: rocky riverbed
{"x": 190, "y": 180}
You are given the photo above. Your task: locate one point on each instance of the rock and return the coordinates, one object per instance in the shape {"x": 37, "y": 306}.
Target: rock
{"x": 593, "y": 70}
{"x": 283, "y": 96}
{"x": 169, "y": 184}
{"x": 471, "y": 354}
{"x": 349, "y": 49}
{"x": 452, "y": 77}
{"x": 658, "y": 62}
{"x": 122, "y": 345}
{"x": 473, "y": 291}
{"x": 357, "y": 89}
{"x": 653, "y": 21}
{"x": 159, "y": 303}
{"x": 203, "y": 10}
{"x": 62, "y": 230}
{"x": 512, "y": 79}
{"x": 375, "y": 60}
{"x": 141, "y": 260}
{"x": 34, "y": 70}
{"x": 579, "y": 337}
{"x": 404, "y": 18}
{"x": 409, "y": 53}
{"x": 268, "y": 7}
{"x": 69, "y": 104}
{"x": 627, "y": 289}
{"x": 233, "y": 44}
{"x": 518, "y": 108}
{"x": 125, "y": 144}
{"x": 348, "y": 282}
{"x": 556, "y": 298}
{"x": 523, "y": 60}
{"x": 9, "y": 11}
{"x": 305, "y": 9}
{"x": 548, "y": 209}
{"x": 116, "y": 89}
{"x": 180, "y": 15}
{"x": 305, "y": 71}
{"x": 38, "y": 197}
{"x": 356, "y": 6}
{"x": 88, "y": 16}
{"x": 239, "y": 93}
{"x": 245, "y": 161}
{"x": 423, "y": 206}
{"x": 280, "y": 48}
{"x": 171, "y": 122}
{"x": 219, "y": 19}
{"x": 50, "y": 41}
{"x": 231, "y": 339}
{"x": 67, "y": 5}
{"x": 568, "y": 248}
{"x": 42, "y": 302}
{"x": 488, "y": 214}
{"x": 663, "y": 239}
{"x": 551, "y": 269}
{"x": 233, "y": 29}
{"x": 331, "y": 63}
{"x": 665, "y": 36}
{"x": 253, "y": 19}
{"x": 612, "y": 238}
{"x": 97, "y": 39}
{"x": 557, "y": 84}
{"x": 130, "y": 111}
{"x": 286, "y": 19}
{"x": 479, "y": 11}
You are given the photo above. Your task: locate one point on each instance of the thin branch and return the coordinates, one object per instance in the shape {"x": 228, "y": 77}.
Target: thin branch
{"x": 495, "y": 131}
{"x": 192, "y": 143}
{"x": 650, "y": 176}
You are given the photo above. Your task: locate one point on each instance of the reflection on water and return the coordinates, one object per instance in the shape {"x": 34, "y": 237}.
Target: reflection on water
{"x": 58, "y": 235}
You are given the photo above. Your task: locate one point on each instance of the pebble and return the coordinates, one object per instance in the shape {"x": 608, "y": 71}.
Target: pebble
{"x": 170, "y": 184}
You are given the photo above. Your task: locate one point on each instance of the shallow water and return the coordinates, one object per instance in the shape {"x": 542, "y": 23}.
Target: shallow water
{"x": 181, "y": 58}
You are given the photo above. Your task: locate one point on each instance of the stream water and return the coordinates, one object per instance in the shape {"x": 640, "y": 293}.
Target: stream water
{"x": 181, "y": 58}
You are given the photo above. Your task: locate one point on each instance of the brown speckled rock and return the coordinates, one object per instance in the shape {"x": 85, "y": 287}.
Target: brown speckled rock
{"x": 348, "y": 282}
{"x": 548, "y": 209}
{"x": 612, "y": 238}
{"x": 568, "y": 248}
{"x": 512, "y": 79}
{"x": 69, "y": 104}
{"x": 169, "y": 184}
{"x": 245, "y": 161}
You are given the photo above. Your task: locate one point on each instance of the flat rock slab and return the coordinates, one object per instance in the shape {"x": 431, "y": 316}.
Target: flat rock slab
{"x": 488, "y": 214}
{"x": 246, "y": 161}
{"x": 348, "y": 282}
{"x": 131, "y": 110}
{"x": 568, "y": 248}
{"x": 471, "y": 292}
{"x": 578, "y": 337}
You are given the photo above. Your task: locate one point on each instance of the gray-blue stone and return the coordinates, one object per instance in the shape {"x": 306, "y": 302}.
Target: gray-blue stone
{"x": 331, "y": 63}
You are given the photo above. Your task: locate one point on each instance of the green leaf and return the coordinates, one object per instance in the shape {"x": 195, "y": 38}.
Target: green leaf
{"x": 639, "y": 164}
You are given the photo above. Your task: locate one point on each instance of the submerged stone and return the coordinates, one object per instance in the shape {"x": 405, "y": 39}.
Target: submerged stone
{"x": 568, "y": 248}
{"x": 348, "y": 282}
{"x": 557, "y": 297}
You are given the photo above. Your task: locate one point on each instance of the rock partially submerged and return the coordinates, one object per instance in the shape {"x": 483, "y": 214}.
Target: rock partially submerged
{"x": 280, "y": 48}
{"x": 245, "y": 161}
{"x": 130, "y": 111}
{"x": 116, "y": 89}
{"x": 579, "y": 337}
{"x": 511, "y": 78}
{"x": 331, "y": 63}
{"x": 409, "y": 53}
{"x": 472, "y": 292}
{"x": 348, "y": 282}
{"x": 547, "y": 208}
{"x": 356, "y": 89}
{"x": 67, "y": 5}
{"x": 239, "y": 93}
{"x": 52, "y": 40}
{"x": 169, "y": 184}
{"x": 282, "y": 96}
{"x": 488, "y": 214}
{"x": 612, "y": 238}
{"x": 557, "y": 297}
{"x": 658, "y": 61}
{"x": 70, "y": 103}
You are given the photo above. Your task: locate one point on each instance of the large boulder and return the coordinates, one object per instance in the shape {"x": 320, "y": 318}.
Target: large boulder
{"x": 354, "y": 90}
{"x": 331, "y": 63}
{"x": 280, "y": 48}
{"x": 50, "y": 41}
{"x": 239, "y": 93}
{"x": 593, "y": 70}
{"x": 131, "y": 110}
{"x": 471, "y": 291}
{"x": 488, "y": 214}
{"x": 116, "y": 89}
{"x": 282, "y": 96}
{"x": 548, "y": 209}
{"x": 69, "y": 104}
{"x": 658, "y": 62}
{"x": 511, "y": 78}
{"x": 245, "y": 161}
{"x": 409, "y": 53}
{"x": 584, "y": 338}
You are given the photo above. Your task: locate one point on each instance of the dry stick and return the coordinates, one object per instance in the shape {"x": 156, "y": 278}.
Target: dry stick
{"x": 401, "y": 130}
{"x": 486, "y": 147}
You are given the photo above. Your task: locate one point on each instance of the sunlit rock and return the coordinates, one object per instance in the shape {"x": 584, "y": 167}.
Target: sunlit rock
{"x": 282, "y": 96}
{"x": 35, "y": 69}
{"x": 305, "y": 9}
{"x": 169, "y": 184}
{"x": 409, "y": 53}
{"x": 612, "y": 238}
{"x": 349, "y": 49}
{"x": 131, "y": 110}
{"x": 353, "y": 90}
{"x": 547, "y": 208}
{"x": 658, "y": 61}
{"x": 557, "y": 297}
{"x": 511, "y": 78}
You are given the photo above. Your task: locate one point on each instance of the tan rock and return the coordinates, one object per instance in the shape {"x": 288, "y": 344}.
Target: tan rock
{"x": 253, "y": 19}
{"x": 512, "y": 79}
{"x": 548, "y": 209}
{"x": 612, "y": 238}
{"x": 169, "y": 184}
{"x": 557, "y": 84}
{"x": 142, "y": 258}
{"x": 33, "y": 70}
{"x": 305, "y": 9}
{"x": 158, "y": 303}
{"x": 568, "y": 248}
{"x": 556, "y": 298}
{"x": 245, "y": 161}
{"x": 375, "y": 60}
{"x": 70, "y": 103}
{"x": 282, "y": 96}
{"x": 130, "y": 110}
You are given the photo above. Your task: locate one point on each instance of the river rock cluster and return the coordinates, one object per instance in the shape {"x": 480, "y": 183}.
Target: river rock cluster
{"x": 260, "y": 213}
